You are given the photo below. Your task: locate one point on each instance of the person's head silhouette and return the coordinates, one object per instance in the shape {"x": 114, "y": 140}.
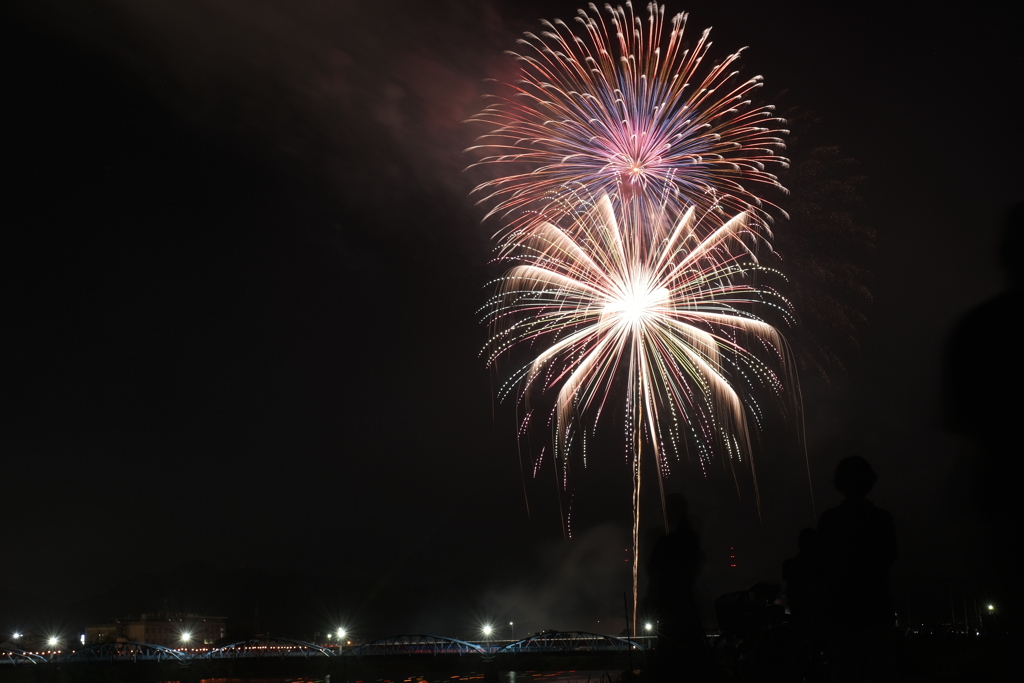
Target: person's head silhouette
{"x": 854, "y": 477}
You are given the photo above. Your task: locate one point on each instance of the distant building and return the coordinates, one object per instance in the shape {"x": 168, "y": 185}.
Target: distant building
{"x": 174, "y": 631}
{"x": 102, "y": 633}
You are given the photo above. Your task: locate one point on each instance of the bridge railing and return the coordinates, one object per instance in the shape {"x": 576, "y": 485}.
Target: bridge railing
{"x": 267, "y": 647}
{"x": 125, "y": 651}
{"x": 570, "y": 641}
{"x": 419, "y": 644}
{"x": 12, "y": 656}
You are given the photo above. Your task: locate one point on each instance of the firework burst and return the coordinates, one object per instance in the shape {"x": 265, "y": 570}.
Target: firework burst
{"x": 624, "y": 112}
{"x": 659, "y": 307}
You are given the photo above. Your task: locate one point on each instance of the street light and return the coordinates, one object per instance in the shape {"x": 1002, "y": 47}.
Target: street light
{"x": 341, "y": 639}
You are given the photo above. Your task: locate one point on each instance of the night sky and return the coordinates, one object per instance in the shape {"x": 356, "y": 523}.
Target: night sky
{"x": 243, "y": 272}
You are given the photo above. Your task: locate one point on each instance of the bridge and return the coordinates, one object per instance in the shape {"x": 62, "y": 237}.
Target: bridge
{"x": 415, "y": 645}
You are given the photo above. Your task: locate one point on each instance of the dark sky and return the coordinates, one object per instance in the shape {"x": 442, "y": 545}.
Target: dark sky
{"x": 243, "y": 273}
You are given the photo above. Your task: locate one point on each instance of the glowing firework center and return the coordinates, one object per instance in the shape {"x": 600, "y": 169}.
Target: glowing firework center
{"x": 636, "y": 303}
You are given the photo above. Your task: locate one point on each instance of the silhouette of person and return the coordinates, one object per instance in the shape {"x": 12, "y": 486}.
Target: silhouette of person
{"x": 983, "y": 403}
{"x": 857, "y": 547}
{"x": 672, "y": 570}
{"x": 798, "y": 572}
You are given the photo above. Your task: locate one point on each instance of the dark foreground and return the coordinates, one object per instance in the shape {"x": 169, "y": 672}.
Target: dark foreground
{"x": 951, "y": 660}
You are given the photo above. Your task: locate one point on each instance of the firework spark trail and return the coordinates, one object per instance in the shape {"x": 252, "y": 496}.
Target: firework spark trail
{"x": 620, "y": 111}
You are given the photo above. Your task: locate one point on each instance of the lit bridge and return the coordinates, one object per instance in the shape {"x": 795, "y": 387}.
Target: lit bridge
{"x": 546, "y": 643}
